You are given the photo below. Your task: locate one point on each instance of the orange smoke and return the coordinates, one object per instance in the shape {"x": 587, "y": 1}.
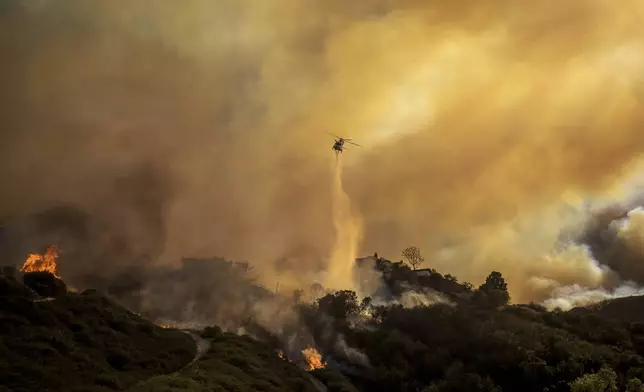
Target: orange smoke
{"x": 36, "y": 262}
{"x": 314, "y": 358}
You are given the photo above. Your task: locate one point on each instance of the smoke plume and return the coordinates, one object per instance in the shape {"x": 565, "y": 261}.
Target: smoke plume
{"x": 198, "y": 128}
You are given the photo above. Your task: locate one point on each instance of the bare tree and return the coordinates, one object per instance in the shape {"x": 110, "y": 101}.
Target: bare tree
{"x": 412, "y": 254}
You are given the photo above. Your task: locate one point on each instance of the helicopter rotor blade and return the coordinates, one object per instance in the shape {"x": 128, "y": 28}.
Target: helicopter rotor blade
{"x": 333, "y": 134}
{"x": 355, "y": 144}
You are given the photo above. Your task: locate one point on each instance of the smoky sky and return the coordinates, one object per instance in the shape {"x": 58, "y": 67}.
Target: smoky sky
{"x": 199, "y": 128}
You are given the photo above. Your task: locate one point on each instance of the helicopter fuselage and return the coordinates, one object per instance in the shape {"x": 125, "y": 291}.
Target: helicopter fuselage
{"x": 338, "y": 145}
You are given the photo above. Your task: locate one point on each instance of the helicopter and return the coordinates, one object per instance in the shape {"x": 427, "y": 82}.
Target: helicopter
{"x": 338, "y": 146}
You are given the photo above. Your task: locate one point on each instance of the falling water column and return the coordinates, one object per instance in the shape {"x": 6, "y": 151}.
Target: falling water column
{"x": 348, "y": 229}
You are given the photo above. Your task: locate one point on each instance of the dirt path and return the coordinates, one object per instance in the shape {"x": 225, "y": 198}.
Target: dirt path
{"x": 202, "y": 345}
{"x": 44, "y": 299}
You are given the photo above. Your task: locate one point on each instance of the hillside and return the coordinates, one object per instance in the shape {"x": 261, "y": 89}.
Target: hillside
{"x": 235, "y": 363}
{"x": 458, "y": 338}
{"x": 473, "y": 342}
{"x": 629, "y": 309}
{"x": 87, "y": 342}
{"x": 80, "y": 342}
{"x": 477, "y": 348}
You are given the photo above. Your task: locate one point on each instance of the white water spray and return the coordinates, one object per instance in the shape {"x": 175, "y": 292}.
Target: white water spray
{"x": 348, "y": 228}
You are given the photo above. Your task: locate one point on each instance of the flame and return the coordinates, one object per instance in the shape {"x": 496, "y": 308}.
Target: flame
{"x": 36, "y": 262}
{"x": 281, "y": 355}
{"x": 166, "y": 325}
{"x": 314, "y": 358}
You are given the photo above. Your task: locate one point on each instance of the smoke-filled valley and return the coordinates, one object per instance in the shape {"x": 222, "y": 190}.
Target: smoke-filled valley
{"x": 178, "y": 156}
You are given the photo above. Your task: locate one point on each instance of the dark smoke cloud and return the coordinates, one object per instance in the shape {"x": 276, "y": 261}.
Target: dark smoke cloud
{"x": 118, "y": 233}
{"x": 615, "y": 237}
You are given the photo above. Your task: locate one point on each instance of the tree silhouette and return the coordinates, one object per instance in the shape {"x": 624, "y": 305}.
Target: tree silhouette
{"x": 339, "y": 304}
{"x": 365, "y": 304}
{"x": 412, "y": 254}
{"x": 495, "y": 289}
{"x": 494, "y": 281}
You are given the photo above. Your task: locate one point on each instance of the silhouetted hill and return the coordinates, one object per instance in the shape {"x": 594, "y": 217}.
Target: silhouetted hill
{"x": 87, "y": 342}
{"x": 459, "y": 338}
{"x": 444, "y": 347}
{"x": 79, "y": 342}
{"x": 629, "y": 309}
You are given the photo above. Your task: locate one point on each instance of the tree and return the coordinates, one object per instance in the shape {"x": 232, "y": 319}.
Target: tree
{"x": 603, "y": 381}
{"x": 212, "y": 332}
{"x": 495, "y": 290}
{"x": 494, "y": 281}
{"x": 365, "y": 305}
{"x": 413, "y": 256}
{"x": 340, "y": 304}
{"x": 635, "y": 385}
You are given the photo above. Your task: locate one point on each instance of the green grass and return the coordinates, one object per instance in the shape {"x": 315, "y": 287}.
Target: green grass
{"x": 81, "y": 342}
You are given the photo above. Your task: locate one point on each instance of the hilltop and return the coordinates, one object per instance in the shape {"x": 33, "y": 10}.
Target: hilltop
{"x": 80, "y": 342}
{"x": 628, "y": 309}
{"x": 397, "y": 279}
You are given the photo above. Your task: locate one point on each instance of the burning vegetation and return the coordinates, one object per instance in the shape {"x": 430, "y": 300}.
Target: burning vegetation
{"x": 313, "y": 358}
{"x": 38, "y": 263}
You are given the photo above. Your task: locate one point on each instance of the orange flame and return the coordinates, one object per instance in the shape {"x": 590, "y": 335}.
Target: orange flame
{"x": 314, "y": 358}
{"x": 281, "y": 355}
{"x": 36, "y": 262}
